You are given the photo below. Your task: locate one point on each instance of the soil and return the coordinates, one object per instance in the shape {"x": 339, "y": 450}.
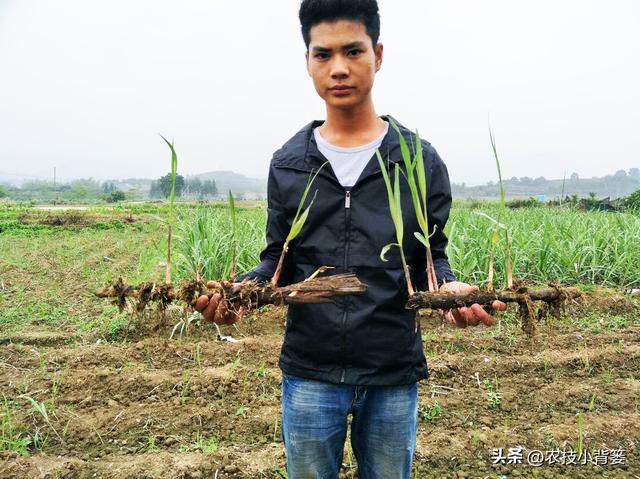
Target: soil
{"x": 140, "y": 408}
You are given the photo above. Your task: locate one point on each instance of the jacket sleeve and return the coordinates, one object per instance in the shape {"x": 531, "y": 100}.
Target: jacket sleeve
{"x": 277, "y": 229}
{"x": 438, "y": 207}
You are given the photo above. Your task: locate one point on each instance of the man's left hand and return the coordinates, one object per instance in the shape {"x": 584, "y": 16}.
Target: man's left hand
{"x": 474, "y": 314}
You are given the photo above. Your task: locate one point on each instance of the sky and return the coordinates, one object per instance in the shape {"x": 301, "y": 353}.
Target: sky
{"x": 86, "y": 86}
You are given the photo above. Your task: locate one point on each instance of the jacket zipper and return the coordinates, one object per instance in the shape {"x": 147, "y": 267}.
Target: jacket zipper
{"x": 347, "y": 228}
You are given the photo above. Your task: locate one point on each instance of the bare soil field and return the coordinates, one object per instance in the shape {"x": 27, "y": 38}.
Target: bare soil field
{"x": 197, "y": 407}
{"x": 82, "y": 395}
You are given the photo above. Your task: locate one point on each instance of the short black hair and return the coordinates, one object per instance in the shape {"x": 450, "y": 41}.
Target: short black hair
{"x": 313, "y": 12}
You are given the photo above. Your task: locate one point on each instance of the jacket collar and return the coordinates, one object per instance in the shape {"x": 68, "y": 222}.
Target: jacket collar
{"x": 301, "y": 152}
{"x": 390, "y": 143}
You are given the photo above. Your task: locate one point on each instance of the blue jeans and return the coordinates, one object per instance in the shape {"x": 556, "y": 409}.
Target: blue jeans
{"x": 314, "y": 428}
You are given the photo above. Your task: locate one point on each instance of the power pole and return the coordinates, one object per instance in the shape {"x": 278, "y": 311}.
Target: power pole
{"x": 54, "y": 176}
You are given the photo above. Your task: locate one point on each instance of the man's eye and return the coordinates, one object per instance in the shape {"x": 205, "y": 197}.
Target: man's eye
{"x": 321, "y": 56}
{"x": 355, "y": 52}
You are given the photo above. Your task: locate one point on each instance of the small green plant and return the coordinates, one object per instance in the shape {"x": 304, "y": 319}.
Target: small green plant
{"x": 205, "y": 445}
{"x": 55, "y": 387}
{"x": 241, "y": 411}
{"x": 493, "y": 396}
{"x": 39, "y": 440}
{"x": 234, "y": 237}
{"x": 546, "y": 361}
{"x": 584, "y": 357}
{"x": 592, "y": 402}
{"x": 197, "y": 356}
{"x": 261, "y": 372}
{"x": 500, "y": 223}
{"x": 184, "y": 388}
{"x": 430, "y": 411}
{"x": 275, "y": 429}
{"x": 10, "y": 440}
{"x": 151, "y": 444}
{"x": 41, "y": 408}
{"x": 174, "y": 168}
{"x": 297, "y": 224}
{"x": 476, "y": 438}
{"x": 393, "y": 196}
{"x": 416, "y": 177}
{"x": 580, "y": 446}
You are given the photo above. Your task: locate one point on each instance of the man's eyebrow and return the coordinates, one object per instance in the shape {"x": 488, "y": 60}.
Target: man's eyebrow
{"x": 348, "y": 46}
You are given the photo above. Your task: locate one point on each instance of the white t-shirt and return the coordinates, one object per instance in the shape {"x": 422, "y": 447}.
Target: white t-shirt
{"x": 348, "y": 163}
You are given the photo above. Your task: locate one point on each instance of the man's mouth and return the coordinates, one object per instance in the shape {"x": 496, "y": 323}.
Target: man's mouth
{"x": 341, "y": 89}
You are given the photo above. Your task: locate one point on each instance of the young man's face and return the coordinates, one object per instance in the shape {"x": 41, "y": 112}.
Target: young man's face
{"x": 342, "y": 62}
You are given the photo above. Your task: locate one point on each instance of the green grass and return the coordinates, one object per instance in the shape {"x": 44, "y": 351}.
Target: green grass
{"x": 48, "y": 273}
{"x": 548, "y": 244}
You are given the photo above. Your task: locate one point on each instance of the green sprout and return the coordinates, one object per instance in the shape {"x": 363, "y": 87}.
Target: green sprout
{"x": 234, "y": 229}
{"x": 297, "y": 224}
{"x": 499, "y": 224}
{"x": 416, "y": 177}
{"x": 393, "y": 195}
{"x": 174, "y": 167}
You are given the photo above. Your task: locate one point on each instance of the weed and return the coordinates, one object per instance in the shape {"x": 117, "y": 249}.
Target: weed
{"x": 184, "y": 387}
{"x": 205, "y": 445}
{"x": 580, "y": 446}
{"x": 430, "y": 411}
{"x": 151, "y": 444}
{"x": 261, "y": 372}
{"x": 584, "y": 357}
{"x": 10, "y": 440}
{"x": 241, "y": 411}
{"x": 197, "y": 356}
{"x": 493, "y": 396}
{"x": 55, "y": 387}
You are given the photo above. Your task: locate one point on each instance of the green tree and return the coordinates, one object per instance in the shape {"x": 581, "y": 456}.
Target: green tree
{"x": 116, "y": 196}
{"x": 164, "y": 183}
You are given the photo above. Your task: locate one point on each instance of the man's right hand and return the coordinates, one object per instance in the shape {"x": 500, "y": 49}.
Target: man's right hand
{"x": 218, "y": 309}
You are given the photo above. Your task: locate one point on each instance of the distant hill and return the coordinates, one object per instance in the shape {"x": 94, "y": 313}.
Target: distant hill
{"x": 239, "y": 184}
{"x": 618, "y": 185}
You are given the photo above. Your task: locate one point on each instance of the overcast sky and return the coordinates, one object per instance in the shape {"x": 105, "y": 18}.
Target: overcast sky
{"x": 87, "y": 85}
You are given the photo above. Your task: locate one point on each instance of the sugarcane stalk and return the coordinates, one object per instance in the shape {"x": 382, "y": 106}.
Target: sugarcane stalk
{"x": 444, "y": 300}
{"x": 249, "y": 294}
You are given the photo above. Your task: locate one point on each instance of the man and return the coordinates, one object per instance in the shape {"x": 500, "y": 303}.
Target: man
{"x": 362, "y": 355}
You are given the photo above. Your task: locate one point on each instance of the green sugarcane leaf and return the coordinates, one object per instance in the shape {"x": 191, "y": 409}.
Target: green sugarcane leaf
{"x": 387, "y": 183}
{"x": 386, "y": 249}
{"x": 296, "y": 227}
{"x": 421, "y": 238}
{"x": 232, "y": 209}
{"x": 174, "y": 168}
{"x": 420, "y": 172}
{"x": 411, "y": 180}
{"x": 398, "y": 207}
{"x": 493, "y": 220}
{"x": 306, "y": 191}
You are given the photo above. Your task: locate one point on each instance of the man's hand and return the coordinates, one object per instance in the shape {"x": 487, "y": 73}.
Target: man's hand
{"x": 473, "y": 315}
{"x": 217, "y": 309}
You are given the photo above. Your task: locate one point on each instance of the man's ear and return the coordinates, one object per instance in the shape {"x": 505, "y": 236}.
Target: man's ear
{"x": 378, "y": 53}
{"x": 306, "y": 59}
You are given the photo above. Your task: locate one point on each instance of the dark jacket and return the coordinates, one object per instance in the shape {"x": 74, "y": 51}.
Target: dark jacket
{"x": 368, "y": 339}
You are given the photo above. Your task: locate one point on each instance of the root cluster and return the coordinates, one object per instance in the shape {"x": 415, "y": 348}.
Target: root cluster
{"x": 247, "y": 294}
{"x": 553, "y": 299}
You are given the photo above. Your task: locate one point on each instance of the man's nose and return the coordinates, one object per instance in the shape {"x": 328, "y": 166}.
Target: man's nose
{"x": 339, "y": 67}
